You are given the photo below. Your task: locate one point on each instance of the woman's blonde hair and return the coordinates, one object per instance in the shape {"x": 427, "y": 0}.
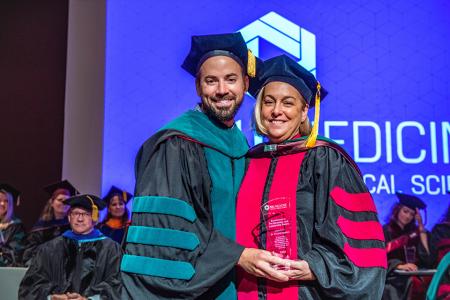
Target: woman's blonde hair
{"x": 10, "y": 209}
{"x": 304, "y": 127}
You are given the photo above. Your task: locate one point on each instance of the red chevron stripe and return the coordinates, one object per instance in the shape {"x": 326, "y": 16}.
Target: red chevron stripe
{"x": 367, "y": 230}
{"x": 360, "y": 202}
{"x": 366, "y": 257}
{"x": 443, "y": 291}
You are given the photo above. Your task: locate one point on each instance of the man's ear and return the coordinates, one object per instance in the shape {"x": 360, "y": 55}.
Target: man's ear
{"x": 197, "y": 85}
{"x": 246, "y": 82}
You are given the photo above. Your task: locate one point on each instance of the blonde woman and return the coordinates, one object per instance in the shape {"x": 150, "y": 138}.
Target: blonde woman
{"x": 303, "y": 200}
{"x": 11, "y": 228}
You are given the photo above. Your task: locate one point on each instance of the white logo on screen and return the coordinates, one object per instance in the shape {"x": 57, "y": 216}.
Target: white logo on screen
{"x": 286, "y": 35}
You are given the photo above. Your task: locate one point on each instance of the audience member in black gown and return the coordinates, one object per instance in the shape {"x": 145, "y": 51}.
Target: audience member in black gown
{"x": 53, "y": 220}
{"x": 80, "y": 264}
{"x": 408, "y": 248}
{"x": 12, "y": 233}
{"x": 117, "y": 219}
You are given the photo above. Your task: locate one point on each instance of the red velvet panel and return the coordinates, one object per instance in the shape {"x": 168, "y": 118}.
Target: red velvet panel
{"x": 367, "y": 230}
{"x": 366, "y": 257}
{"x": 359, "y": 202}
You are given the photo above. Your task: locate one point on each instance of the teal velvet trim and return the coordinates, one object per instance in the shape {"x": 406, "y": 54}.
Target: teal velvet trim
{"x": 226, "y": 176}
{"x": 162, "y": 237}
{"x": 198, "y": 126}
{"x": 164, "y": 205}
{"x": 93, "y": 240}
{"x": 157, "y": 267}
{"x": 440, "y": 272}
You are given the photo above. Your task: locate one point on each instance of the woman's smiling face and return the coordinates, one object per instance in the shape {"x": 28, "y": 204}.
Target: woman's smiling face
{"x": 283, "y": 109}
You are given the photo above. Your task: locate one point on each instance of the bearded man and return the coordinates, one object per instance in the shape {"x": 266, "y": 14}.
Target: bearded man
{"x": 180, "y": 244}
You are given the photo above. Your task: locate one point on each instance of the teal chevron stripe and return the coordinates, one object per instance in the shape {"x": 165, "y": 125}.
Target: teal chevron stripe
{"x": 162, "y": 237}
{"x": 157, "y": 267}
{"x": 164, "y": 205}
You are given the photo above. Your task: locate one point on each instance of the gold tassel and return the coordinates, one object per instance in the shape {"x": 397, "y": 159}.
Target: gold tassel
{"x": 94, "y": 210}
{"x": 311, "y": 140}
{"x": 251, "y": 64}
{"x": 124, "y": 196}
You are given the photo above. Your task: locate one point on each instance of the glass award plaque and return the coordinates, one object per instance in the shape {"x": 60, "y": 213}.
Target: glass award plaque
{"x": 278, "y": 227}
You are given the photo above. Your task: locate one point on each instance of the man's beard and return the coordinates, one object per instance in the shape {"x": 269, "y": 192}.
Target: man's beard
{"x": 221, "y": 114}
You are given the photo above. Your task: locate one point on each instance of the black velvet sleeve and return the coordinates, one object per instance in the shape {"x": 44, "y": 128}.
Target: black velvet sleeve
{"x": 323, "y": 170}
{"x": 177, "y": 168}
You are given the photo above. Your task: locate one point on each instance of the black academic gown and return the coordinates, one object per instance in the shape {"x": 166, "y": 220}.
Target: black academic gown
{"x": 65, "y": 265}
{"x": 330, "y": 200}
{"x": 43, "y": 231}
{"x": 171, "y": 166}
{"x": 12, "y": 240}
{"x": 397, "y": 286}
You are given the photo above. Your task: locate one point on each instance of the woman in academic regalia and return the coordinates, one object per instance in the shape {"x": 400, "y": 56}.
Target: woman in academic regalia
{"x": 117, "y": 218}
{"x": 303, "y": 200}
{"x": 408, "y": 248}
{"x": 12, "y": 233}
{"x": 53, "y": 220}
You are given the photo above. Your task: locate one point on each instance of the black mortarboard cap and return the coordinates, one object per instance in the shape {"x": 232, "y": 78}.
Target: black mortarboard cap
{"x": 85, "y": 201}
{"x": 284, "y": 69}
{"x": 410, "y": 201}
{"x": 228, "y": 44}
{"x": 88, "y": 202}
{"x": 116, "y": 191}
{"x": 12, "y": 190}
{"x": 65, "y": 184}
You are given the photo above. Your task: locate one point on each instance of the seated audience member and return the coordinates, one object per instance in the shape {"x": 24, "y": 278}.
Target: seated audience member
{"x": 80, "y": 264}
{"x": 408, "y": 248}
{"x": 440, "y": 235}
{"x": 117, "y": 219}
{"x": 11, "y": 228}
{"x": 440, "y": 284}
{"x": 53, "y": 220}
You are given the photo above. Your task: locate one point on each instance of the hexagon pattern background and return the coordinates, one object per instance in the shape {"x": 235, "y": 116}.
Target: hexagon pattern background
{"x": 381, "y": 61}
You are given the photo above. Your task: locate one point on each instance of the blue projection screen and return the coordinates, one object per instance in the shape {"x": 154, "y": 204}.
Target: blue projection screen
{"x": 386, "y": 65}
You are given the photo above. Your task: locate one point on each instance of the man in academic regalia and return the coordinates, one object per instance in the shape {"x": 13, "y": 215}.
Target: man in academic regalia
{"x": 181, "y": 242}
{"x": 80, "y": 264}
